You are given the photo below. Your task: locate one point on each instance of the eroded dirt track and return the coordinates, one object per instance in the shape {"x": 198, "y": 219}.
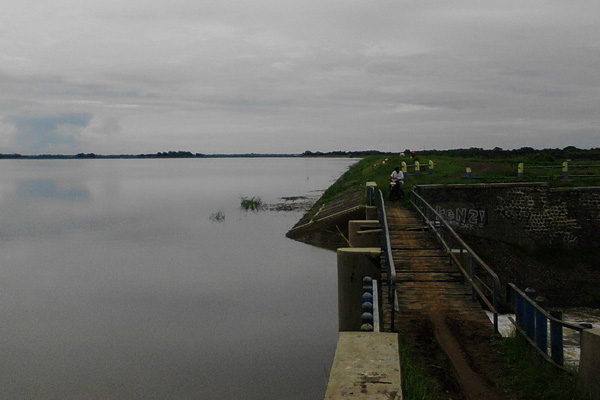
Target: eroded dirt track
{"x": 436, "y": 312}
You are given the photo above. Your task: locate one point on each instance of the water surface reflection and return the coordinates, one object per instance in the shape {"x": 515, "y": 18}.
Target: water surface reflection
{"x": 115, "y": 283}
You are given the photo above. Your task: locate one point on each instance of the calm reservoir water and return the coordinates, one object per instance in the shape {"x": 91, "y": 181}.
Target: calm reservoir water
{"x": 115, "y": 283}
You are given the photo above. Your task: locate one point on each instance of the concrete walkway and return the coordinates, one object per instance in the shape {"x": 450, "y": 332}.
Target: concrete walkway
{"x": 366, "y": 367}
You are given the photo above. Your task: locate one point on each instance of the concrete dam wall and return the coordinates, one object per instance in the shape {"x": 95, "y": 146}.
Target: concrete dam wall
{"x": 529, "y": 215}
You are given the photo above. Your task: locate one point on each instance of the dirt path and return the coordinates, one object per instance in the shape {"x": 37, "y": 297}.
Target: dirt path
{"x": 436, "y": 314}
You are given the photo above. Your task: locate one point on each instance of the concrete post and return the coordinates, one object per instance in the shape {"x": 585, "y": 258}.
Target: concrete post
{"x": 370, "y": 188}
{"x": 588, "y": 383}
{"x": 371, "y": 212}
{"x": 565, "y": 169}
{"x": 354, "y": 264}
{"x": 520, "y": 170}
{"x": 363, "y": 233}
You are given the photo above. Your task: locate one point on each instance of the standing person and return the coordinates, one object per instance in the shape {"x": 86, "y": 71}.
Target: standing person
{"x": 396, "y": 183}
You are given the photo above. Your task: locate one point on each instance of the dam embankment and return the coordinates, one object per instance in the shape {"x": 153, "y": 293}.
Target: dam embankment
{"x": 529, "y": 233}
{"x": 427, "y": 320}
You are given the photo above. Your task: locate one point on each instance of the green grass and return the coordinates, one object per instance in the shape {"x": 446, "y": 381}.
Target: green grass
{"x": 251, "y": 203}
{"x": 416, "y": 383}
{"x": 532, "y": 376}
{"x": 451, "y": 169}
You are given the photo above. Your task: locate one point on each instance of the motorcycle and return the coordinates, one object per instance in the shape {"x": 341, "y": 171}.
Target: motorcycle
{"x": 395, "y": 189}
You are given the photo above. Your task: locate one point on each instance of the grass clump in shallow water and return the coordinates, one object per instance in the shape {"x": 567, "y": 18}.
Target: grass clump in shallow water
{"x": 252, "y": 203}
{"x": 219, "y": 216}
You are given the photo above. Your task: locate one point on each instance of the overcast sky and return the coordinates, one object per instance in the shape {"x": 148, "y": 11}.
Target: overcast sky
{"x": 263, "y": 76}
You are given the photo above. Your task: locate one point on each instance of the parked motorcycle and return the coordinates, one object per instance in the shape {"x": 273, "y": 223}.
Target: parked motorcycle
{"x": 396, "y": 191}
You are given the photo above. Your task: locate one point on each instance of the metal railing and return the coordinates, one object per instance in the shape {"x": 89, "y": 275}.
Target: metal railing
{"x": 532, "y": 321}
{"x": 376, "y": 198}
{"x": 484, "y": 282}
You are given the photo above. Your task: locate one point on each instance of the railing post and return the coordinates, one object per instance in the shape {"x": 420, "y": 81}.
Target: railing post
{"x": 472, "y": 274}
{"x": 556, "y": 339}
{"x": 519, "y": 308}
{"x": 529, "y": 317}
{"x": 541, "y": 330}
{"x": 495, "y": 289}
{"x": 518, "y": 304}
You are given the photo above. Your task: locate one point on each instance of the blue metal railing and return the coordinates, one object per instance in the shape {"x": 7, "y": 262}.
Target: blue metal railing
{"x": 484, "y": 282}
{"x": 532, "y": 321}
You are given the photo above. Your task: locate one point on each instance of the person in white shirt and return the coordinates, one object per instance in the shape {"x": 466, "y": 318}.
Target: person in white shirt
{"x": 396, "y": 177}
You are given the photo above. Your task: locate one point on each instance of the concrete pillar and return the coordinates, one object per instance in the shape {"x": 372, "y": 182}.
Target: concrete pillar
{"x": 354, "y": 264}
{"x": 363, "y": 233}
{"x": 370, "y": 188}
{"x": 588, "y": 384}
{"x": 371, "y": 212}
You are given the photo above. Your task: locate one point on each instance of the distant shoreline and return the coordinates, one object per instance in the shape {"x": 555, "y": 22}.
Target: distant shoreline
{"x": 569, "y": 152}
{"x": 179, "y": 154}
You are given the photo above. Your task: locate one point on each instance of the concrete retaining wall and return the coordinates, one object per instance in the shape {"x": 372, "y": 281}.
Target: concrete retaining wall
{"x": 530, "y": 215}
{"x": 588, "y": 384}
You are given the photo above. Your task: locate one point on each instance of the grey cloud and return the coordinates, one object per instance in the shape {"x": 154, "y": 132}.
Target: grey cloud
{"x": 49, "y": 133}
{"x": 283, "y": 76}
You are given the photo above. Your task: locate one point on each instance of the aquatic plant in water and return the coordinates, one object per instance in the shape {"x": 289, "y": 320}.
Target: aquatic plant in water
{"x": 252, "y": 203}
{"x": 219, "y": 216}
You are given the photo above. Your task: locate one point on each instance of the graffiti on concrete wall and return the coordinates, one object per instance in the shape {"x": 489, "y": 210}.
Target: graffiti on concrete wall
{"x": 463, "y": 216}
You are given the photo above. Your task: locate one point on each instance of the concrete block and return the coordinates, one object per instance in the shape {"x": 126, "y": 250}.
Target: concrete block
{"x": 371, "y": 213}
{"x": 588, "y": 384}
{"x": 363, "y": 233}
{"x": 366, "y": 366}
{"x": 354, "y": 263}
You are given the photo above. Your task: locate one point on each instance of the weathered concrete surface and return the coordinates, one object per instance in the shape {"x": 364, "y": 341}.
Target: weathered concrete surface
{"x": 364, "y": 233}
{"x": 354, "y": 263}
{"x": 588, "y": 384}
{"x": 366, "y": 366}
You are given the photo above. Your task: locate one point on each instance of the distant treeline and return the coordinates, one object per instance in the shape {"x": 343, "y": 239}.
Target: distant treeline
{"x": 569, "y": 152}
{"x": 188, "y": 154}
